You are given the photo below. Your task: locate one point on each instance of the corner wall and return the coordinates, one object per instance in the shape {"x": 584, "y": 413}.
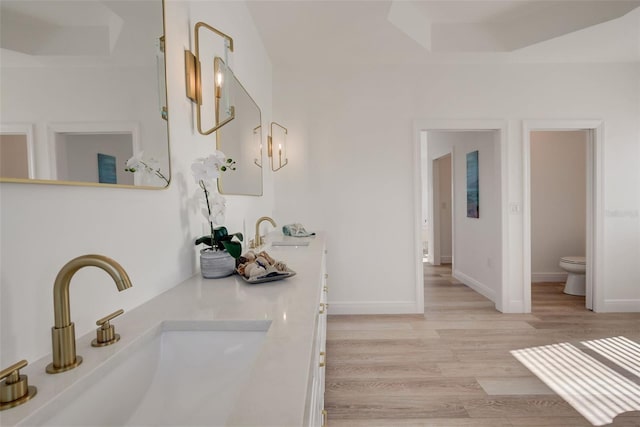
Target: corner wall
{"x": 150, "y": 233}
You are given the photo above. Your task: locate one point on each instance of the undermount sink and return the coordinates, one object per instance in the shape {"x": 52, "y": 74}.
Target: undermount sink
{"x": 290, "y": 243}
{"x": 179, "y": 373}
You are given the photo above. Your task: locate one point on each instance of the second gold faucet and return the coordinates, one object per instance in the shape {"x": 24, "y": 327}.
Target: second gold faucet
{"x": 257, "y": 241}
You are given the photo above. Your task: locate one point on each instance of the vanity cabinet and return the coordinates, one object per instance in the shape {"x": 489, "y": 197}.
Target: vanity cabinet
{"x": 317, "y": 413}
{"x": 283, "y": 386}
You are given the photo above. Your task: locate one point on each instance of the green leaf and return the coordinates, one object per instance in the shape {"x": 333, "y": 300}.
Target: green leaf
{"x": 204, "y": 239}
{"x": 219, "y": 233}
{"x": 234, "y": 248}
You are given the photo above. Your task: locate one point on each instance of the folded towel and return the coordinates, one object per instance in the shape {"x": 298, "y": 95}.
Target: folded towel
{"x": 296, "y": 230}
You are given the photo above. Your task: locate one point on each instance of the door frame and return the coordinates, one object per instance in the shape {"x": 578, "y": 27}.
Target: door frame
{"x": 502, "y": 129}
{"x": 595, "y": 206}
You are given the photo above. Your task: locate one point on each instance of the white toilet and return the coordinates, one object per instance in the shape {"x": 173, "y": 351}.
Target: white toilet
{"x": 576, "y": 266}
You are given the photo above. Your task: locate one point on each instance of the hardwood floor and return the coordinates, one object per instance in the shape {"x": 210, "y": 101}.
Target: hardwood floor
{"x": 452, "y": 366}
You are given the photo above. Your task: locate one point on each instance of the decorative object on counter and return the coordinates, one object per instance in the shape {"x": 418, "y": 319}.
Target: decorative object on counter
{"x": 217, "y": 259}
{"x": 281, "y": 139}
{"x": 261, "y": 267}
{"x": 148, "y": 168}
{"x": 296, "y": 230}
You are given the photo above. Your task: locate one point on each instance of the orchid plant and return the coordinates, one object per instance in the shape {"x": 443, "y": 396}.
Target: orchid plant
{"x": 150, "y": 167}
{"x": 206, "y": 172}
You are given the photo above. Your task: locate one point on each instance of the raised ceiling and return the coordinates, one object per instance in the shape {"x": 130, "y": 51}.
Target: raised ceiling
{"x": 298, "y": 33}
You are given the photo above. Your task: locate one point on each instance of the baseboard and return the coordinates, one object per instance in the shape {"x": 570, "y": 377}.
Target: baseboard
{"x": 446, "y": 259}
{"x": 373, "y": 307}
{"x": 475, "y": 285}
{"x": 515, "y": 306}
{"x": 548, "y": 277}
{"x": 621, "y": 306}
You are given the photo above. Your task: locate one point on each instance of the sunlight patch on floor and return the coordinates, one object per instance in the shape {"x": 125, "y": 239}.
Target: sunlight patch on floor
{"x": 594, "y": 390}
{"x": 620, "y": 350}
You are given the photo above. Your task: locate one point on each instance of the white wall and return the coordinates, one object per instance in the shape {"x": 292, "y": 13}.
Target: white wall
{"x": 558, "y": 201}
{"x": 150, "y": 232}
{"x": 351, "y": 158}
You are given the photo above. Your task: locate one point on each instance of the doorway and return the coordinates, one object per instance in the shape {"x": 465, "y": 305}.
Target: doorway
{"x": 442, "y": 210}
{"x": 592, "y": 203}
{"x": 483, "y": 271}
{"x": 558, "y": 215}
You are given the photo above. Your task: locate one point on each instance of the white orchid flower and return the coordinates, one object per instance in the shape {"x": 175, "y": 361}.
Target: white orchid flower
{"x": 207, "y": 169}
{"x": 150, "y": 167}
{"x": 135, "y": 162}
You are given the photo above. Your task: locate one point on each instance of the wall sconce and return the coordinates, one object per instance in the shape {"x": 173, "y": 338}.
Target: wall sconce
{"x": 282, "y": 147}
{"x": 193, "y": 78}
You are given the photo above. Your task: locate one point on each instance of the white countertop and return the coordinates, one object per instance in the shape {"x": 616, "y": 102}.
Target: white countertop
{"x": 276, "y": 392}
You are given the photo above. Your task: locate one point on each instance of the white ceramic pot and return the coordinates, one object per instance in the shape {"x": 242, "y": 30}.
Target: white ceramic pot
{"x": 215, "y": 264}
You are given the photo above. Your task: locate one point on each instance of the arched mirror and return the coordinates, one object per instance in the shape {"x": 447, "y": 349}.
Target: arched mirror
{"x": 83, "y": 91}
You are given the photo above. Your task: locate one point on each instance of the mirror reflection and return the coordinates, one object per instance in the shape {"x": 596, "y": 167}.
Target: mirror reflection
{"x": 83, "y": 91}
{"x": 240, "y": 139}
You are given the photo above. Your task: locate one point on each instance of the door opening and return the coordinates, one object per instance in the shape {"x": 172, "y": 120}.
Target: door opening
{"x": 572, "y": 213}
{"x": 558, "y": 217}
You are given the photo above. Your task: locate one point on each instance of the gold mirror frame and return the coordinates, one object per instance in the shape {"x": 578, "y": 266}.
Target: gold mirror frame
{"x": 193, "y": 78}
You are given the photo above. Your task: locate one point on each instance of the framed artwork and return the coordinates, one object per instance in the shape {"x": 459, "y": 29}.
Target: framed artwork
{"x": 107, "y": 169}
{"x": 473, "y": 186}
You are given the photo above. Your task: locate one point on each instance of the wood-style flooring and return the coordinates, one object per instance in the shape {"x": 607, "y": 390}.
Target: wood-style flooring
{"x": 452, "y": 366}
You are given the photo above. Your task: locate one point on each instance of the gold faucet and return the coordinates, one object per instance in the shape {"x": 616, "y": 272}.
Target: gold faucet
{"x": 63, "y": 335}
{"x": 257, "y": 242}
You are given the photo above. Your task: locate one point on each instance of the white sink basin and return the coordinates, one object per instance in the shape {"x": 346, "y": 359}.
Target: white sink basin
{"x": 180, "y": 373}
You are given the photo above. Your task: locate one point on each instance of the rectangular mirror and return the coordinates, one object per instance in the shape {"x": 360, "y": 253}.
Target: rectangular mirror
{"x": 240, "y": 139}
{"x": 83, "y": 90}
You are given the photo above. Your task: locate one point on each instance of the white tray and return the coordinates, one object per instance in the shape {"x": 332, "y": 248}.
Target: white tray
{"x": 271, "y": 277}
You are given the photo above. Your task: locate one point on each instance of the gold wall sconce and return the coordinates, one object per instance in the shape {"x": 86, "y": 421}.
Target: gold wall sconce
{"x": 281, "y": 140}
{"x": 193, "y": 78}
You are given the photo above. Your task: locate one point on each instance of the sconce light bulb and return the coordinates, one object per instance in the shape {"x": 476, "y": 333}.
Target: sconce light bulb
{"x": 219, "y": 79}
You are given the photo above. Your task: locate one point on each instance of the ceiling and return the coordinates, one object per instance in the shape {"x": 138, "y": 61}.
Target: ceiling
{"x": 312, "y": 33}
{"x": 38, "y": 33}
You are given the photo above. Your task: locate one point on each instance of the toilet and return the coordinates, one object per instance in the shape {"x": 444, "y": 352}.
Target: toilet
{"x": 576, "y": 266}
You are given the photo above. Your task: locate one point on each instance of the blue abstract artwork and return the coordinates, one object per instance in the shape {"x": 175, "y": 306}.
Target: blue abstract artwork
{"x": 107, "y": 169}
{"x": 473, "y": 186}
